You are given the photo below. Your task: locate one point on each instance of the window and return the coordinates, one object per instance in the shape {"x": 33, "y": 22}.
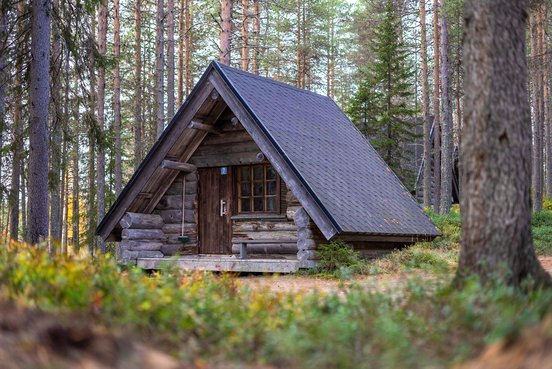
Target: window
{"x": 258, "y": 189}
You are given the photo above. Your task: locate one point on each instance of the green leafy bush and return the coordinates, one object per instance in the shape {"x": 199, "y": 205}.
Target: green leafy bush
{"x": 338, "y": 258}
{"x": 542, "y": 232}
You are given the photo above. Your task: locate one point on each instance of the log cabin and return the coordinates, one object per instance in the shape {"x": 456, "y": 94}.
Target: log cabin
{"x": 253, "y": 175}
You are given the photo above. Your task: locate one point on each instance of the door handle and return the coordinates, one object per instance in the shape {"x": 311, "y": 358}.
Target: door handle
{"x": 223, "y": 208}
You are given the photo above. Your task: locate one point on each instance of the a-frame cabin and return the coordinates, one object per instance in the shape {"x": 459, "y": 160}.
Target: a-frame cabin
{"x": 252, "y": 175}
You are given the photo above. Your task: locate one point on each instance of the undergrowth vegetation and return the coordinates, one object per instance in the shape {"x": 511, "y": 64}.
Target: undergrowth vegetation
{"x": 201, "y": 315}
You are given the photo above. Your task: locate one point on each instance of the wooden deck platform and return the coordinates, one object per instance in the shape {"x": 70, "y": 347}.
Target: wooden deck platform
{"x": 223, "y": 263}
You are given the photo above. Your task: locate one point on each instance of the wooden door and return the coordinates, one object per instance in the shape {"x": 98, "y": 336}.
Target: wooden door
{"x": 215, "y": 202}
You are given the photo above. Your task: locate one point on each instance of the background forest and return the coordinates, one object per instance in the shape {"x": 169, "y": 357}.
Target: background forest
{"x": 119, "y": 70}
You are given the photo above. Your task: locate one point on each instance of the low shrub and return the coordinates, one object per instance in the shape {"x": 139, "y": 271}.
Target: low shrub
{"x": 339, "y": 259}
{"x": 542, "y": 232}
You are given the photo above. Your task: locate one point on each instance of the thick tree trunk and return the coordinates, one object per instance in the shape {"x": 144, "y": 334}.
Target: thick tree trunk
{"x": 226, "y": 31}
{"x": 436, "y": 112}
{"x": 100, "y": 158}
{"x": 38, "y": 132}
{"x": 170, "y": 59}
{"x": 256, "y": 34}
{"x": 160, "y": 68}
{"x": 425, "y": 109}
{"x": 3, "y": 83}
{"x": 496, "y": 148}
{"x": 245, "y": 35}
{"x": 117, "y": 99}
{"x": 446, "y": 146}
{"x": 138, "y": 84}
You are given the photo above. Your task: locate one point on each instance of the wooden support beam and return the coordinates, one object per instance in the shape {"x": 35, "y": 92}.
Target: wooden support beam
{"x": 203, "y": 127}
{"x": 176, "y": 165}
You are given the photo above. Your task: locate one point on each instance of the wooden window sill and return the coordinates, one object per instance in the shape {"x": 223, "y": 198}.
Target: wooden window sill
{"x": 259, "y": 216}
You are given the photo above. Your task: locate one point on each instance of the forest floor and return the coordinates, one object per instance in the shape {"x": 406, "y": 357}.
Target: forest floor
{"x": 381, "y": 282}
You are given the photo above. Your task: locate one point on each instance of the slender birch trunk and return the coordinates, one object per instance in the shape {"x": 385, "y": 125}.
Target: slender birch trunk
{"x": 170, "y": 59}
{"x": 138, "y": 83}
{"x": 446, "y": 147}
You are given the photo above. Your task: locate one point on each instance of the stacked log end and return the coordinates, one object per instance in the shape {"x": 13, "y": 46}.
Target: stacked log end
{"x": 142, "y": 236}
{"x": 308, "y": 237}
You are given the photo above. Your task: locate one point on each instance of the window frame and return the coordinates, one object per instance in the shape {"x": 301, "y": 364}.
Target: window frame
{"x": 238, "y": 187}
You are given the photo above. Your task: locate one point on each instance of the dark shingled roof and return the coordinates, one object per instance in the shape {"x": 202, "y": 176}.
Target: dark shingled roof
{"x": 337, "y": 164}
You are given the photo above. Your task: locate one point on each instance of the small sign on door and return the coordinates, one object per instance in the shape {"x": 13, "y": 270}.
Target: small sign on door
{"x": 223, "y": 171}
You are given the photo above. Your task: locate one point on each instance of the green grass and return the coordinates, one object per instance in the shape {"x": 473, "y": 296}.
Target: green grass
{"x": 428, "y": 324}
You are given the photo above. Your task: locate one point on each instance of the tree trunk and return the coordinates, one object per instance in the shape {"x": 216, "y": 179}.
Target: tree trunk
{"x": 3, "y": 83}
{"x": 298, "y": 49}
{"x": 170, "y": 61}
{"x": 181, "y": 40}
{"x": 91, "y": 210}
{"x": 496, "y": 147}
{"x": 256, "y": 34}
{"x": 75, "y": 221}
{"x": 537, "y": 104}
{"x": 55, "y": 141}
{"x": 38, "y": 132}
{"x": 138, "y": 84}
{"x": 436, "y": 111}
{"x": 546, "y": 101}
{"x": 13, "y": 201}
{"x": 446, "y": 146}
{"x": 100, "y": 158}
{"x": 226, "y": 31}
{"x": 245, "y": 36}
{"x": 425, "y": 109}
{"x": 188, "y": 20}
{"x": 160, "y": 68}
{"x": 117, "y": 99}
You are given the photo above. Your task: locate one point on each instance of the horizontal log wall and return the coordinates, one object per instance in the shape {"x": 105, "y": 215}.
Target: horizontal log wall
{"x": 169, "y": 209}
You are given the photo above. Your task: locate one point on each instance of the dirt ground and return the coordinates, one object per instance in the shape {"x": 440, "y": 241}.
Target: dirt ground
{"x": 295, "y": 283}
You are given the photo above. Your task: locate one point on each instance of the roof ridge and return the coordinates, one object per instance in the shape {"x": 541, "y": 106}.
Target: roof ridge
{"x": 270, "y": 80}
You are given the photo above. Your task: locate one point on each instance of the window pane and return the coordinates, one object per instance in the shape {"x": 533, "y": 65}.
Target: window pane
{"x": 271, "y": 188}
{"x": 245, "y": 189}
{"x": 270, "y": 173}
{"x": 244, "y": 174}
{"x": 245, "y": 204}
{"x": 258, "y": 204}
{"x": 258, "y": 189}
{"x": 271, "y": 204}
{"x": 258, "y": 173}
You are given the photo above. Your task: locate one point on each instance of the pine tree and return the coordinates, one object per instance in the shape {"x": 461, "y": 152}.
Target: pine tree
{"x": 383, "y": 99}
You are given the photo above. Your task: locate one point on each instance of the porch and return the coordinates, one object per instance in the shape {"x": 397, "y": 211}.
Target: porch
{"x": 224, "y": 263}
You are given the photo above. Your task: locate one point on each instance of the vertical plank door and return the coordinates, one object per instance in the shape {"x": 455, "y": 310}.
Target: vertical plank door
{"x": 215, "y": 228}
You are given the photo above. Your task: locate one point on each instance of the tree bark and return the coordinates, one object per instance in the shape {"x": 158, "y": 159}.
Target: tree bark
{"x": 100, "y": 158}
{"x": 13, "y": 200}
{"x": 226, "y": 31}
{"x": 537, "y": 98}
{"x": 425, "y": 109}
{"x": 160, "y": 68}
{"x": 117, "y": 99}
{"x": 546, "y": 101}
{"x": 75, "y": 221}
{"x": 496, "y": 148}
{"x": 138, "y": 84}
{"x": 256, "y": 34}
{"x": 188, "y": 23}
{"x": 181, "y": 42}
{"x": 298, "y": 49}
{"x": 245, "y": 35}
{"x": 446, "y": 146}
{"x": 55, "y": 138}
{"x": 38, "y": 132}
{"x": 436, "y": 112}
{"x": 170, "y": 57}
